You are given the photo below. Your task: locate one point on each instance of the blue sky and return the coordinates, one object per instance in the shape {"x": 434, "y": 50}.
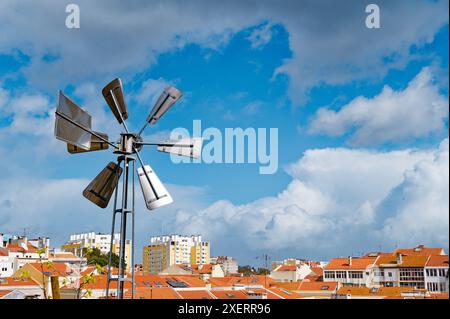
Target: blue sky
{"x": 362, "y": 119}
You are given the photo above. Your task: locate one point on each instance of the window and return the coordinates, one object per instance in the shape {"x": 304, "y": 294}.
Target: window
{"x": 329, "y": 274}
{"x": 355, "y": 274}
{"x": 432, "y": 286}
{"x": 341, "y": 274}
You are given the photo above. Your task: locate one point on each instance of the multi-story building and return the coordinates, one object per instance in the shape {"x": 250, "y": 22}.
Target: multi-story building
{"x": 228, "y": 264}
{"x": 77, "y": 242}
{"x": 165, "y": 251}
{"x": 436, "y": 274}
{"x": 419, "y": 267}
{"x": 354, "y": 271}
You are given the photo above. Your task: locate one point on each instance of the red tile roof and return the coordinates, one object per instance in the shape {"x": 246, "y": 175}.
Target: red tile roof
{"x": 286, "y": 268}
{"x": 152, "y": 293}
{"x": 194, "y": 294}
{"x": 54, "y": 269}
{"x": 229, "y": 294}
{"x": 16, "y": 281}
{"x": 250, "y": 280}
{"x": 438, "y": 261}
{"x": 419, "y": 250}
{"x": 4, "y": 252}
{"x": 356, "y": 263}
{"x": 284, "y": 293}
{"x": 317, "y": 286}
{"x": 317, "y": 270}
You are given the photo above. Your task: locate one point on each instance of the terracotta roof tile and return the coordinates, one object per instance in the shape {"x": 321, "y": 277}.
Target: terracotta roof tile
{"x": 194, "y": 294}
{"x": 419, "y": 250}
{"x": 356, "y": 263}
{"x": 229, "y": 294}
{"x": 286, "y": 268}
{"x": 16, "y": 281}
{"x": 153, "y": 293}
{"x": 438, "y": 261}
{"x": 317, "y": 286}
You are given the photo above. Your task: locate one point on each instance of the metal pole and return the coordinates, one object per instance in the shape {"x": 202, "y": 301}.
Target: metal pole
{"x": 123, "y": 230}
{"x": 132, "y": 237}
{"x": 108, "y": 276}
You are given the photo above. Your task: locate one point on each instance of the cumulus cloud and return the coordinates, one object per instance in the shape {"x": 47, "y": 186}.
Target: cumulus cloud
{"x": 420, "y": 204}
{"x": 416, "y": 111}
{"x": 330, "y": 46}
{"x": 336, "y": 202}
{"x": 150, "y": 91}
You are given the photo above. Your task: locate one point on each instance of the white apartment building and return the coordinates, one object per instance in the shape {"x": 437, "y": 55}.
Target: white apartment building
{"x": 290, "y": 273}
{"x": 6, "y": 263}
{"x": 436, "y": 274}
{"x": 354, "y": 271}
{"x": 16, "y": 251}
{"x": 229, "y": 264}
{"x": 168, "y": 250}
{"x": 77, "y": 242}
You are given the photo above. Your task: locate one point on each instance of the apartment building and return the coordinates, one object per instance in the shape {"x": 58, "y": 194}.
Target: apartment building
{"x": 436, "y": 274}
{"x": 77, "y": 242}
{"x": 228, "y": 264}
{"x": 290, "y": 273}
{"x": 168, "y": 250}
{"x": 353, "y": 271}
{"x": 416, "y": 268}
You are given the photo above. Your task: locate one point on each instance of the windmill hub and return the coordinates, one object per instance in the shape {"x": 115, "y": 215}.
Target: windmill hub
{"x": 129, "y": 143}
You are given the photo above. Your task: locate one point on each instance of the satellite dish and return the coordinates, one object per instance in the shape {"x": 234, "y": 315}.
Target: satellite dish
{"x": 73, "y": 125}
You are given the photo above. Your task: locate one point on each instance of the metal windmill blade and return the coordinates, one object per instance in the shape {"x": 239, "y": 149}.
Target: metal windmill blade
{"x": 190, "y": 147}
{"x": 96, "y": 145}
{"x": 155, "y": 194}
{"x": 100, "y": 190}
{"x": 70, "y": 121}
{"x": 113, "y": 94}
{"x": 73, "y": 126}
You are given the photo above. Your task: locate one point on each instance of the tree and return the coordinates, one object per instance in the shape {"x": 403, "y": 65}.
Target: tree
{"x": 263, "y": 271}
{"x": 246, "y": 270}
{"x": 95, "y": 257}
{"x": 42, "y": 263}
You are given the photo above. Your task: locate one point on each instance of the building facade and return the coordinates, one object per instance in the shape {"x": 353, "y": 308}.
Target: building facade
{"x": 228, "y": 264}
{"x": 352, "y": 271}
{"x": 77, "y": 242}
{"x": 165, "y": 251}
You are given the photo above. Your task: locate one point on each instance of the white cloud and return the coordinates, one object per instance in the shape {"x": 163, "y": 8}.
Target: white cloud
{"x": 416, "y": 111}
{"x": 418, "y": 207}
{"x": 328, "y": 46}
{"x": 333, "y": 204}
{"x": 150, "y": 91}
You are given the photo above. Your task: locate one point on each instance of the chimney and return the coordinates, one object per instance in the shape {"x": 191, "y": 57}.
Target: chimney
{"x": 399, "y": 259}
{"x": 349, "y": 260}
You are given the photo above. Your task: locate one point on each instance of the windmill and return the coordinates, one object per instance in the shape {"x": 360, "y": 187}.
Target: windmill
{"x": 73, "y": 126}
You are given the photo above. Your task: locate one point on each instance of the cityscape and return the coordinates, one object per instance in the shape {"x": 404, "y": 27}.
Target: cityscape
{"x": 181, "y": 267}
{"x": 215, "y": 158}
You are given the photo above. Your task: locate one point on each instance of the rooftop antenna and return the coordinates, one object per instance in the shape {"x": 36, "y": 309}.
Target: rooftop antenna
{"x": 265, "y": 258}
{"x": 73, "y": 126}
